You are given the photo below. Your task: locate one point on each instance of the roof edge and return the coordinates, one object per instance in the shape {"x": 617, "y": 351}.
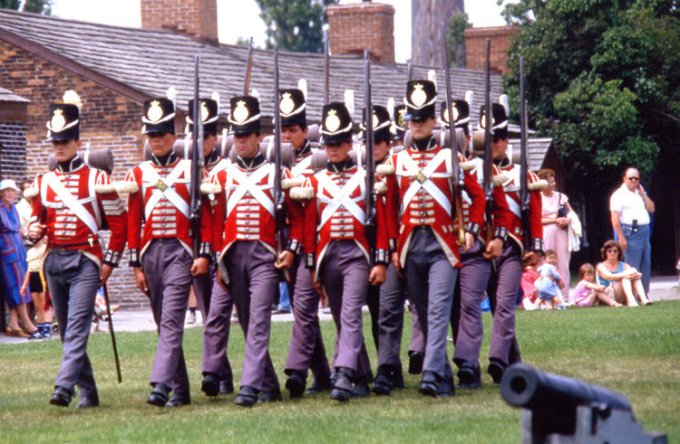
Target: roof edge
{"x": 70, "y": 65}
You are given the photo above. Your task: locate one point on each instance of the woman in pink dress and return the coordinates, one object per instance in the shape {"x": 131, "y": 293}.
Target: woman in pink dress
{"x": 555, "y": 226}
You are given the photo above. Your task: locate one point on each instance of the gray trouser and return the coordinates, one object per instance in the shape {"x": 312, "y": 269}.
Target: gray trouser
{"x": 167, "y": 268}
{"x": 503, "y": 287}
{"x": 417, "y": 341}
{"x": 391, "y": 319}
{"x": 203, "y": 286}
{"x": 216, "y": 333}
{"x": 254, "y": 286}
{"x": 73, "y": 280}
{"x": 307, "y": 350}
{"x": 474, "y": 277}
{"x": 431, "y": 280}
{"x": 344, "y": 274}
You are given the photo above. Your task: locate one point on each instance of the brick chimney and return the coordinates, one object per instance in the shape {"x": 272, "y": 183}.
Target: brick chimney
{"x": 475, "y": 53}
{"x": 355, "y": 26}
{"x": 194, "y": 17}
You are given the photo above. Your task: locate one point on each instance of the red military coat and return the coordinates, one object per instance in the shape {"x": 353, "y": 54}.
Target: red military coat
{"x": 74, "y": 206}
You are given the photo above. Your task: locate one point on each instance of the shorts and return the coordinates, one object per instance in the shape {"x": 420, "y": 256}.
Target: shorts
{"x": 546, "y": 296}
{"x": 35, "y": 282}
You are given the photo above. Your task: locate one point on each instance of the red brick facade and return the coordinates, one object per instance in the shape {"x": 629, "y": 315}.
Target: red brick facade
{"x": 195, "y": 17}
{"x": 357, "y": 26}
{"x": 475, "y": 50}
{"x": 108, "y": 120}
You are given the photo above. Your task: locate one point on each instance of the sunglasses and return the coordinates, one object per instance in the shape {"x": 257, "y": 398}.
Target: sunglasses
{"x": 633, "y": 178}
{"x": 612, "y": 250}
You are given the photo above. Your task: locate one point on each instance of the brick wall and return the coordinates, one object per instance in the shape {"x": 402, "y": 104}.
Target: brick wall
{"x": 356, "y": 26}
{"x": 195, "y": 17}
{"x": 13, "y": 150}
{"x": 475, "y": 47}
{"x": 108, "y": 120}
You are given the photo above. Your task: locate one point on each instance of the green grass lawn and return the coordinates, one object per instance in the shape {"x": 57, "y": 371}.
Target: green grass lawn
{"x": 634, "y": 351}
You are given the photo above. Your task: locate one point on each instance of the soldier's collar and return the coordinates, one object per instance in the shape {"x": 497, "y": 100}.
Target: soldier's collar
{"x": 502, "y": 162}
{"x": 250, "y": 163}
{"x": 425, "y": 144}
{"x": 164, "y": 160}
{"x": 304, "y": 150}
{"x": 70, "y": 165}
{"x": 337, "y": 167}
{"x": 212, "y": 158}
{"x": 383, "y": 160}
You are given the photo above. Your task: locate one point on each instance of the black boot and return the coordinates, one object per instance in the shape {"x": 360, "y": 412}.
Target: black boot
{"x": 296, "y": 383}
{"x": 158, "y": 395}
{"x": 210, "y": 385}
{"x": 342, "y": 389}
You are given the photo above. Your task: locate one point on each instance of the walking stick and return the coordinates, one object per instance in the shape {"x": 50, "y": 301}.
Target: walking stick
{"x": 111, "y": 332}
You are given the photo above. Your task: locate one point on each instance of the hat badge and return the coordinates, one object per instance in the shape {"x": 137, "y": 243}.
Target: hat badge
{"x": 241, "y": 112}
{"x": 155, "y": 112}
{"x": 455, "y": 113}
{"x": 375, "y": 120}
{"x": 418, "y": 96}
{"x": 482, "y": 122}
{"x": 332, "y": 121}
{"x": 287, "y": 104}
{"x": 205, "y": 112}
{"x": 58, "y": 121}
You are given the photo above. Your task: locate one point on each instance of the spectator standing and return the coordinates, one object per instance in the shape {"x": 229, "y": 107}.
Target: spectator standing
{"x": 630, "y": 207}
{"x": 13, "y": 262}
{"x": 556, "y": 226}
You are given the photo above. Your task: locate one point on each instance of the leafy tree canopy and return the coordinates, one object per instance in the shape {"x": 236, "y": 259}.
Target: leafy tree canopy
{"x": 294, "y": 25}
{"x": 37, "y": 6}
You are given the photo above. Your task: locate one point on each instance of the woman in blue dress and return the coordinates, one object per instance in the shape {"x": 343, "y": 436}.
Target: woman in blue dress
{"x": 13, "y": 263}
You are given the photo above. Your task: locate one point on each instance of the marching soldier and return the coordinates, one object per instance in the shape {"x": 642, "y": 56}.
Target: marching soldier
{"x": 247, "y": 244}
{"x": 427, "y": 247}
{"x": 71, "y": 204}
{"x": 474, "y": 276}
{"x": 214, "y": 300}
{"x": 337, "y": 248}
{"x": 306, "y": 349}
{"x": 505, "y": 279}
{"x": 161, "y": 253}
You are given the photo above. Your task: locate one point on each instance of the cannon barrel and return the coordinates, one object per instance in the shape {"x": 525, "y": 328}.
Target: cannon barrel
{"x": 529, "y": 388}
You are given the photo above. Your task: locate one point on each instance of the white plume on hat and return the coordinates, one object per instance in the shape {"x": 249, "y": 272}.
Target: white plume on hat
{"x": 432, "y": 77}
{"x": 171, "y": 94}
{"x": 503, "y": 100}
{"x": 302, "y": 86}
{"x": 216, "y": 97}
{"x": 469, "y": 97}
{"x": 390, "y": 107}
{"x": 72, "y": 97}
{"x": 255, "y": 93}
{"x": 349, "y": 101}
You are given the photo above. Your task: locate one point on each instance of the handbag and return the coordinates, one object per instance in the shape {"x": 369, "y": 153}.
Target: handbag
{"x": 563, "y": 210}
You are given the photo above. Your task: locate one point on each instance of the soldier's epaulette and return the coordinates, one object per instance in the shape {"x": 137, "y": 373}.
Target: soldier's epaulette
{"x": 301, "y": 193}
{"x": 105, "y": 188}
{"x": 467, "y": 166}
{"x": 379, "y": 188}
{"x": 287, "y": 184}
{"x": 499, "y": 179}
{"x": 31, "y": 192}
{"x": 385, "y": 169}
{"x": 210, "y": 188}
{"x": 126, "y": 187}
{"x": 539, "y": 185}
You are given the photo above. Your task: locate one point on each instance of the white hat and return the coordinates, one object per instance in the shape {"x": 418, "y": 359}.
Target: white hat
{"x": 8, "y": 183}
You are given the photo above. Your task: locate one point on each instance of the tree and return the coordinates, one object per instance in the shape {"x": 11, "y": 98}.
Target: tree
{"x": 430, "y": 21}
{"x": 294, "y": 25}
{"x": 38, "y": 6}
{"x": 603, "y": 78}
{"x": 455, "y": 38}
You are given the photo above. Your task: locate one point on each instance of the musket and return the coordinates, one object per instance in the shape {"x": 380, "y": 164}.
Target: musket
{"x": 279, "y": 210}
{"x": 457, "y": 174}
{"x": 410, "y": 71}
{"x": 196, "y": 164}
{"x": 370, "y": 167}
{"x": 249, "y": 68}
{"x": 524, "y": 195}
{"x": 488, "y": 158}
{"x": 111, "y": 332}
{"x": 327, "y": 73}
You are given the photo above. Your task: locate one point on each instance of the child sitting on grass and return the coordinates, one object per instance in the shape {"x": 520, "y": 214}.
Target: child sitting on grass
{"x": 529, "y": 292}
{"x": 549, "y": 283}
{"x": 589, "y": 293}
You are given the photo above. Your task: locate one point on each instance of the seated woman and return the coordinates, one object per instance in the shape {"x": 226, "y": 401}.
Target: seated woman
{"x": 624, "y": 279}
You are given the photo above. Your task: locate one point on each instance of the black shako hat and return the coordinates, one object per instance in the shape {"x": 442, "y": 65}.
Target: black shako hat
{"x": 244, "y": 115}
{"x": 292, "y": 107}
{"x": 64, "y": 123}
{"x": 208, "y": 109}
{"x": 159, "y": 116}
{"x": 381, "y": 124}
{"x": 421, "y": 96}
{"x": 499, "y": 120}
{"x": 336, "y": 124}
